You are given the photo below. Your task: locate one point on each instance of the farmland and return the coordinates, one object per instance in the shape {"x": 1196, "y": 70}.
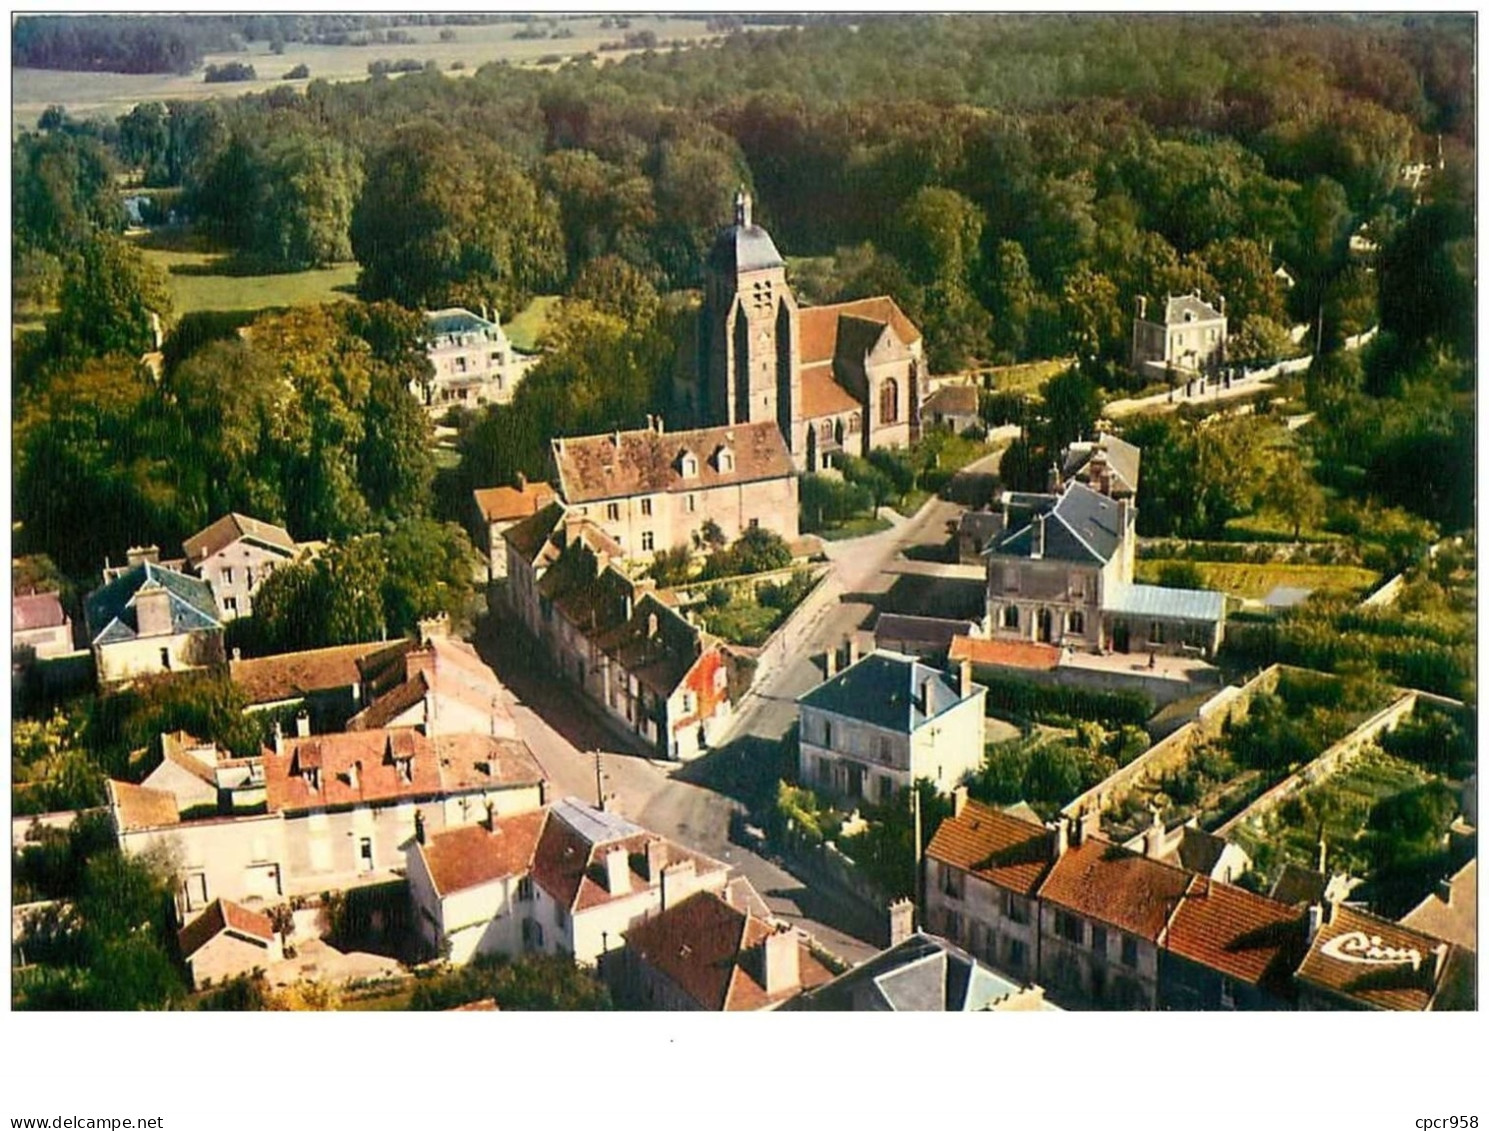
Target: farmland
{"x": 86, "y": 94}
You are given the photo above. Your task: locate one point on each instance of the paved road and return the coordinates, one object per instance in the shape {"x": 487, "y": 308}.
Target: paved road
{"x": 563, "y": 731}
{"x": 694, "y": 804}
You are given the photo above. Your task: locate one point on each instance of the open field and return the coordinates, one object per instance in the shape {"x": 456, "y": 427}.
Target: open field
{"x": 1026, "y": 377}
{"x": 1249, "y": 579}
{"x": 88, "y": 93}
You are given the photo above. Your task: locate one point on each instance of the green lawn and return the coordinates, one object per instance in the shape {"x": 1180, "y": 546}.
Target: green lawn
{"x": 1247, "y": 579}
{"x": 855, "y": 528}
{"x": 526, "y": 329}
{"x": 207, "y": 280}
{"x": 1027, "y": 376}
{"x": 1268, "y": 525}
{"x": 911, "y": 503}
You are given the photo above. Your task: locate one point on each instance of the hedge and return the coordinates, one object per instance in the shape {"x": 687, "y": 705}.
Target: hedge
{"x": 1043, "y": 702}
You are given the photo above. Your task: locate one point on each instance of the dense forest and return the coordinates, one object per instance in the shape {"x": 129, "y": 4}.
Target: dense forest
{"x": 1016, "y": 182}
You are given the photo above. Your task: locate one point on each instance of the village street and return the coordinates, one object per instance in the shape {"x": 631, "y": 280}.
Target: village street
{"x": 697, "y": 803}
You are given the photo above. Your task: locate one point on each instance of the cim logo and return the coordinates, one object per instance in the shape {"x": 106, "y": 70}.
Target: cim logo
{"x": 1357, "y": 946}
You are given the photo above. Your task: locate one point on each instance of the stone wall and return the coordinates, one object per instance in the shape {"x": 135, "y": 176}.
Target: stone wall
{"x": 1327, "y": 764}
{"x": 1173, "y": 752}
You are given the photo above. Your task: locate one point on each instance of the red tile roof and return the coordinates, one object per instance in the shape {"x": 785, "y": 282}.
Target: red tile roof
{"x": 141, "y": 808}
{"x": 292, "y": 675}
{"x": 645, "y": 461}
{"x": 1103, "y": 881}
{"x": 508, "y": 504}
{"x": 479, "y": 761}
{"x": 36, "y": 610}
{"x": 1005, "y": 653}
{"x": 229, "y": 529}
{"x": 465, "y": 857}
{"x": 819, "y": 325}
{"x": 1374, "y": 962}
{"x": 822, "y": 395}
{"x": 1247, "y": 937}
{"x": 354, "y": 768}
{"x": 1005, "y": 850}
{"x": 713, "y": 953}
{"x": 224, "y": 915}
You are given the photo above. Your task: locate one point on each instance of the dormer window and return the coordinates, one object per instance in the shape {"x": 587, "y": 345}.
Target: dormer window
{"x": 689, "y": 465}
{"x": 313, "y": 778}
{"x": 723, "y": 459}
{"x": 405, "y": 769}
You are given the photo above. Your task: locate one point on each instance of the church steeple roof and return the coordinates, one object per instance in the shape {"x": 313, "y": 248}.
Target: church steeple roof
{"x": 744, "y": 246}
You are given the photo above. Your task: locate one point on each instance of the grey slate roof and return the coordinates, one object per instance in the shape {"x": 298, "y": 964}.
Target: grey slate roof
{"x": 744, "y": 247}
{"x": 932, "y": 633}
{"x": 1081, "y": 526}
{"x": 1123, "y": 458}
{"x": 1165, "y": 604}
{"x": 594, "y": 825}
{"x": 923, "y": 973}
{"x": 455, "y": 321}
{"x": 110, "y": 610}
{"x": 882, "y": 689}
{"x": 1197, "y": 309}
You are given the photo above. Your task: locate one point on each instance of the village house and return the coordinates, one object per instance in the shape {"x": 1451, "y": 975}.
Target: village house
{"x": 234, "y": 555}
{"x": 323, "y": 683}
{"x": 707, "y": 953}
{"x": 1107, "y": 464}
{"x": 499, "y": 508}
{"x": 566, "y": 879}
{"x": 650, "y": 490}
{"x": 150, "y": 619}
{"x": 474, "y": 363}
{"x": 983, "y": 871}
{"x": 204, "y": 779}
{"x": 338, "y": 811}
{"x": 887, "y": 721}
{"x": 657, "y": 676}
{"x": 1228, "y": 948}
{"x": 227, "y": 940}
{"x": 842, "y": 378}
{"x": 952, "y": 406}
{"x": 920, "y": 972}
{"x": 40, "y": 628}
{"x": 442, "y": 686}
{"x": 1102, "y": 915}
{"x": 1358, "y": 961}
{"x": 1186, "y": 845}
{"x": 1190, "y": 340}
{"x": 1059, "y": 572}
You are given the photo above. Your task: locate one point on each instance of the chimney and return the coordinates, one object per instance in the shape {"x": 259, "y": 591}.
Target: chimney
{"x": 852, "y": 650}
{"x": 302, "y": 725}
{"x": 830, "y": 662}
{"x": 1323, "y": 854}
{"x": 1445, "y": 890}
{"x": 1142, "y": 306}
{"x": 679, "y": 881}
{"x": 656, "y": 860}
{"x": 152, "y": 610}
{"x": 958, "y": 800}
{"x": 1053, "y": 479}
{"x": 1086, "y": 825}
{"x": 1060, "y": 828}
{"x": 237, "y": 655}
{"x": 901, "y": 921}
{"x": 1315, "y": 921}
{"x": 139, "y": 555}
{"x": 782, "y": 962}
{"x": 618, "y": 871}
{"x": 157, "y": 335}
{"x": 521, "y": 481}
{"x": 660, "y": 427}
{"x": 615, "y": 437}
{"x": 1222, "y": 306}
{"x": 964, "y": 678}
{"x": 278, "y": 738}
{"x": 1153, "y": 836}
{"x": 419, "y": 833}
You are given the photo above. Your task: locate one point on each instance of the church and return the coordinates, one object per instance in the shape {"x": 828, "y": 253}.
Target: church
{"x": 843, "y": 378}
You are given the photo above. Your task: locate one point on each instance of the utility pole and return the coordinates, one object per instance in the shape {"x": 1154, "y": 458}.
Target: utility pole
{"x": 919, "y": 880}
{"x": 599, "y": 783}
